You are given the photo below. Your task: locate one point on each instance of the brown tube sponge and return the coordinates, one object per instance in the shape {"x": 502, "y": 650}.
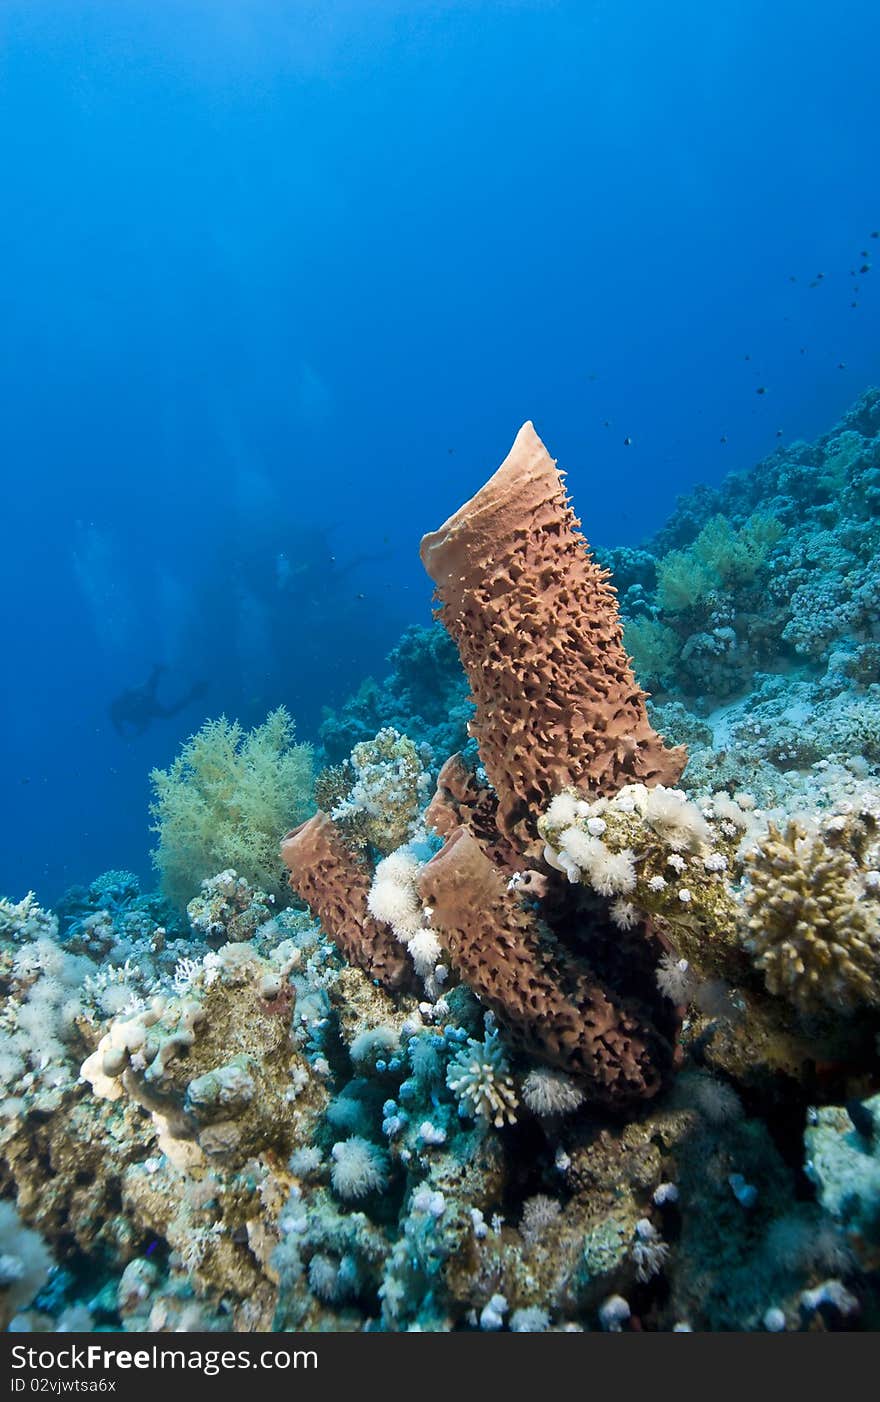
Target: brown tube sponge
{"x": 544, "y": 996}
{"x": 328, "y": 876}
{"x": 460, "y": 801}
{"x": 539, "y": 635}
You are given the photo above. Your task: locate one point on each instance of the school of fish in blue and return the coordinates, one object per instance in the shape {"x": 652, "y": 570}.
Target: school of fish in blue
{"x": 475, "y": 1049}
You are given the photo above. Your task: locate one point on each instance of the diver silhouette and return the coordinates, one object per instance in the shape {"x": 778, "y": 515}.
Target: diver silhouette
{"x": 133, "y": 711}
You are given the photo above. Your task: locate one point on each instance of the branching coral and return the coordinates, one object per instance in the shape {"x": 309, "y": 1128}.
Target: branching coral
{"x": 26, "y": 919}
{"x": 813, "y": 913}
{"x": 480, "y": 1077}
{"x": 226, "y": 801}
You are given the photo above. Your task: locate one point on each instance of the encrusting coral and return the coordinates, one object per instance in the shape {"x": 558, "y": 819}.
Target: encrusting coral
{"x": 656, "y": 854}
{"x": 381, "y": 791}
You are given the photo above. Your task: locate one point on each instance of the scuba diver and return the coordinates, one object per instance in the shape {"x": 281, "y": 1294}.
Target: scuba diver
{"x": 133, "y": 711}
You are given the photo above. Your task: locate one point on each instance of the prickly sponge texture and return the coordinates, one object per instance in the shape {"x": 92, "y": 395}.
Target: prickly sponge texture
{"x": 225, "y": 802}
{"x": 813, "y": 914}
{"x": 335, "y": 884}
{"x": 539, "y": 635}
{"x": 547, "y": 998}
{"x": 460, "y": 800}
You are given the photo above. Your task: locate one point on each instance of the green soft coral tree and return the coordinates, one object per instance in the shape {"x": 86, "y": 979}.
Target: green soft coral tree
{"x": 226, "y": 801}
{"x": 722, "y": 557}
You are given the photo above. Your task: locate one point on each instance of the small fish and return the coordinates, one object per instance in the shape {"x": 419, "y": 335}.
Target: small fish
{"x": 762, "y": 389}
{"x": 865, "y": 268}
{"x": 627, "y": 441}
{"x": 779, "y": 433}
{"x": 747, "y": 357}
{"x": 854, "y": 304}
{"x": 841, "y": 365}
{"x": 723, "y": 438}
{"x": 875, "y": 233}
{"x": 606, "y": 423}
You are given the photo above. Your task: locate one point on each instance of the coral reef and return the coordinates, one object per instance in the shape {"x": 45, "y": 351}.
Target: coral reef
{"x": 567, "y": 1039}
{"x": 775, "y": 571}
{"x": 376, "y": 797}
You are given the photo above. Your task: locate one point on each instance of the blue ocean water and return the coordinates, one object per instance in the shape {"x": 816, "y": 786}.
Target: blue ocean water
{"x": 280, "y": 283}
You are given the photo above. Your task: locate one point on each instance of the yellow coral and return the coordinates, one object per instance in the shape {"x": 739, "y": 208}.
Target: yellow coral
{"x": 811, "y": 927}
{"x": 226, "y": 801}
{"x": 721, "y": 556}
